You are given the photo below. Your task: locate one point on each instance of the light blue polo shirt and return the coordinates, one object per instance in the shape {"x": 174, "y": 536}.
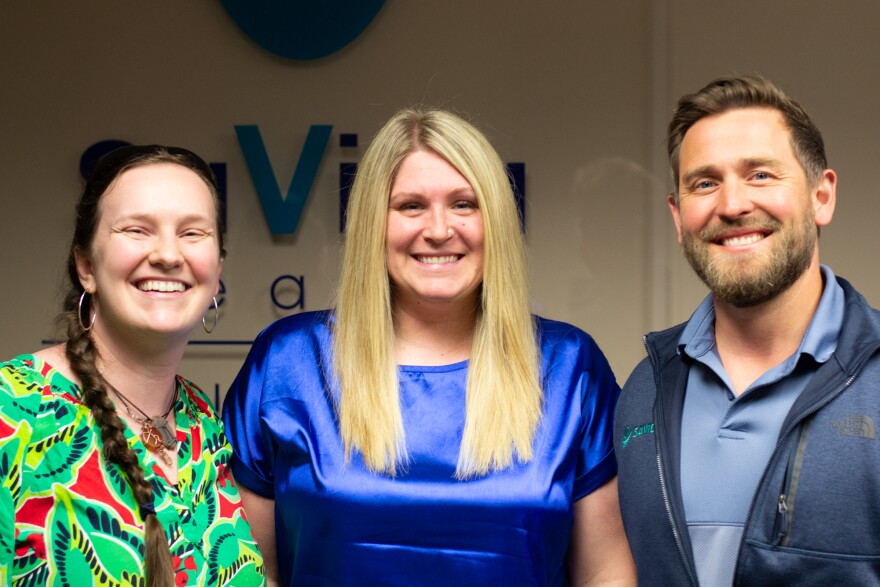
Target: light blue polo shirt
{"x": 726, "y": 441}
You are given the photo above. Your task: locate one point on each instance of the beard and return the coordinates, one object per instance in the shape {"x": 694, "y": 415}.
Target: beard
{"x": 750, "y": 279}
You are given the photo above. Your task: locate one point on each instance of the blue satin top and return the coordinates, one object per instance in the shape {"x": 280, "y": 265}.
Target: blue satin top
{"x": 339, "y": 524}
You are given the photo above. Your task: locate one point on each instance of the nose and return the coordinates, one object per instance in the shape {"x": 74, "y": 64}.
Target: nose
{"x": 734, "y": 200}
{"x": 437, "y": 227}
{"x": 166, "y": 251}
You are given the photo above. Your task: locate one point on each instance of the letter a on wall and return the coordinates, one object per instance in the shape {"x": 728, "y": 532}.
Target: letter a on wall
{"x": 283, "y": 213}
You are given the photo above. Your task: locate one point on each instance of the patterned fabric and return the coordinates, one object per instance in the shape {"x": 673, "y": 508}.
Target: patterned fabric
{"x": 67, "y": 517}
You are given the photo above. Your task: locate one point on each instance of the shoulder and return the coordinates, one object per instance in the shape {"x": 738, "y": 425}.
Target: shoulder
{"x": 570, "y": 357}
{"x": 293, "y": 349}
{"x": 560, "y": 339}
{"x": 662, "y": 348}
{"x": 305, "y": 335}
{"x": 860, "y": 332}
{"x": 554, "y": 332}
{"x": 28, "y": 364}
{"x": 857, "y": 306}
{"x": 20, "y": 382}
{"x": 196, "y": 399}
{"x": 297, "y": 328}
{"x": 30, "y": 376}
{"x": 640, "y": 381}
{"x": 36, "y": 401}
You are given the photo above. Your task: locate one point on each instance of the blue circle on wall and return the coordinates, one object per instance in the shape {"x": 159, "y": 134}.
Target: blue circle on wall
{"x": 302, "y": 29}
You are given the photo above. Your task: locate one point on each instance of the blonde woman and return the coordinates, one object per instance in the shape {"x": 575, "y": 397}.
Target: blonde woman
{"x": 429, "y": 430}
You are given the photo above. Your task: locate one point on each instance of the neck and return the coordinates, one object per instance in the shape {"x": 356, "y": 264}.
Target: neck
{"x": 754, "y": 339}
{"x": 434, "y": 334}
{"x": 145, "y": 374}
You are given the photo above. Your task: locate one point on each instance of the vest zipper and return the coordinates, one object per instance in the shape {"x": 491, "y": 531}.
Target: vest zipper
{"x": 786, "y": 502}
{"x": 663, "y": 489}
{"x": 781, "y": 518}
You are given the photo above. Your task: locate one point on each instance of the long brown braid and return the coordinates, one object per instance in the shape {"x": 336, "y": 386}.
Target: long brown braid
{"x": 83, "y": 354}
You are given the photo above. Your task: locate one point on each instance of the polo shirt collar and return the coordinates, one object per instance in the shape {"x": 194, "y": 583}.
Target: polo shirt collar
{"x": 820, "y": 339}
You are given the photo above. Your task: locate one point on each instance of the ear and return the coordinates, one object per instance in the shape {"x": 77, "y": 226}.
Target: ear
{"x": 825, "y": 197}
{"x": 219, "y": 277}
{"x": 85, "y": 271}
{"x": 676, "y": 214}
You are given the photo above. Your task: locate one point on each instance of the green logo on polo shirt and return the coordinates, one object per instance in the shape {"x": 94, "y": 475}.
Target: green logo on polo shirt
{"x": 630, "y": 433}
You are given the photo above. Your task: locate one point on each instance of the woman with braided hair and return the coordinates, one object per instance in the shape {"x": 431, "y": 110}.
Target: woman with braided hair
{"x": 114, "y": 469}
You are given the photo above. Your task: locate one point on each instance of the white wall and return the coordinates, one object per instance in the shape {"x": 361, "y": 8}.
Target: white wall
{"x": 579, "y": 91}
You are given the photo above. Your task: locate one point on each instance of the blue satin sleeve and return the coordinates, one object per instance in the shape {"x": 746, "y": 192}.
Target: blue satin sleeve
{"x": 263, "y": 409}
{"x": 572, "y": 357}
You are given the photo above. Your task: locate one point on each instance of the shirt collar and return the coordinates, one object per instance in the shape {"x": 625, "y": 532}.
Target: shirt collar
{"x": 820, "y": 339}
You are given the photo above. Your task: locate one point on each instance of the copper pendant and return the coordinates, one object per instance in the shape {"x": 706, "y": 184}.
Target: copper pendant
{"x": 151, "y": 437}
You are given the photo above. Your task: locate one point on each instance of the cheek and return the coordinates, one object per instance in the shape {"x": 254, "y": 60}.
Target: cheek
{"x": 206, "y": 264}
{"x": 393, "y": 269}
{"x": 400, "y": 235}
{"x": 693, "y": 218}
{"x": 119, "y": 259}
{"x": 471, "y": 229}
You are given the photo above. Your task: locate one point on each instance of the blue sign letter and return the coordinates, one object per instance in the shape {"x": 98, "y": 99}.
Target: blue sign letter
{"x": 282, "y": 213}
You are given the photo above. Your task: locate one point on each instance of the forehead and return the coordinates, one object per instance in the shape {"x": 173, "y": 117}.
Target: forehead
{"x": 423, "y": 169}
{"x": 158, "y": 188}
{"x": 742, "y": 133}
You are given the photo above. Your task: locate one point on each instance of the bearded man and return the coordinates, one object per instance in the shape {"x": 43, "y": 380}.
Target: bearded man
{"x": 746, "y": 439}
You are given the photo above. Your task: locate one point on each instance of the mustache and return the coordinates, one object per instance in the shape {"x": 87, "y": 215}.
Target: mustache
{"x": 767, "y": 223}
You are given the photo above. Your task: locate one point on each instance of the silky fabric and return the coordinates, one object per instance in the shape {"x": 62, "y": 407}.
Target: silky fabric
{"x": 339, "y": 524}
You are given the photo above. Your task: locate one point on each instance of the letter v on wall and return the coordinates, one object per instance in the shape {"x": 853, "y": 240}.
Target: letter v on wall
{"x": 283, "y": 213}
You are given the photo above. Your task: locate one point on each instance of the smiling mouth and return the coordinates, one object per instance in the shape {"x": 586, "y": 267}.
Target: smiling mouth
{"x": 746, "y": 239}
{"x": 439, "y": 260}
{"x": 160, "y": 286}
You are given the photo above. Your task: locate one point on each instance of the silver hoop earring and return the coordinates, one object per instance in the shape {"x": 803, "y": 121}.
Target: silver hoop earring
{"x": 79, "y": 313}
{"x": 216, "y": 317}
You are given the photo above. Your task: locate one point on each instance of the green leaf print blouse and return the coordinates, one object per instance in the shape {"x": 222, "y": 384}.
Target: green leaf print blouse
{"x": 68, "y": 517}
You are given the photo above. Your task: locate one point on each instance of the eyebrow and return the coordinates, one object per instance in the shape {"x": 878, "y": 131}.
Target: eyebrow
{"x": 150, "y": 217}
{"x": 466, "y": 191}
{"x": 698, "y": 172}
{"x": 762, "y": 162}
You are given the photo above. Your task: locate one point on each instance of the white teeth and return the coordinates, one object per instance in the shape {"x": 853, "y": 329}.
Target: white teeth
{"x": 742, "y": 240}
{"x": 438, "y": 260}
{"x": 160, "y": 286}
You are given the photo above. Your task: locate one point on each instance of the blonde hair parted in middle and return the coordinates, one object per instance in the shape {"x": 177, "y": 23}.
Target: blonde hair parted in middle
{"x": 504, "y": 396}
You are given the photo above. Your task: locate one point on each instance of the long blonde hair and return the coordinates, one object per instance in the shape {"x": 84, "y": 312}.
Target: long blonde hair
{"x": 504, "y": 397}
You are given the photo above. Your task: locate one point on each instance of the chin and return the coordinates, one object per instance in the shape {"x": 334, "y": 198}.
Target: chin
{"x": 170, "y": 328}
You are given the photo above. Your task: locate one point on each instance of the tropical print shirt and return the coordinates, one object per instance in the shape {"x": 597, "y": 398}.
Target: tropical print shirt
{"x": 69, "y": 517}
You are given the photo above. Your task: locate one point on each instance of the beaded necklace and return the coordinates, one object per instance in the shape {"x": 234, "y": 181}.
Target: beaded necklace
{"x": 156, "y": 433}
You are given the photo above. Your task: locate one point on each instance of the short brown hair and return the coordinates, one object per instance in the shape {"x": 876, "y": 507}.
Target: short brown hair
{"x": 747, "y": 91}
